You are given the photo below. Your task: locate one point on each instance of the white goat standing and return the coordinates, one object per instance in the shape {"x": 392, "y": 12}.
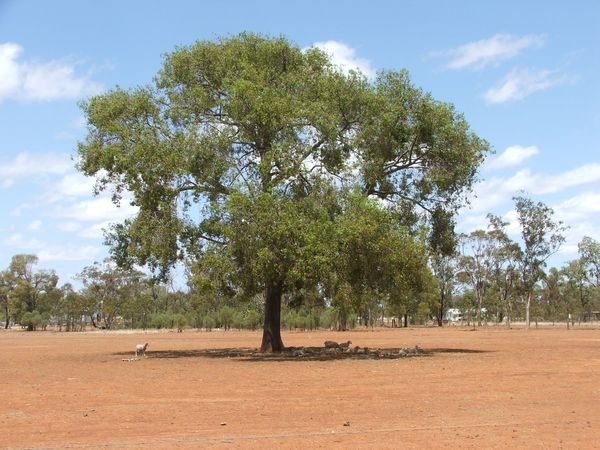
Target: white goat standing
{"x": 140, "y": 349}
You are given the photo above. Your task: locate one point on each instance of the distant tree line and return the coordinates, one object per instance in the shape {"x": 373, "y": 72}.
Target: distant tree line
{"x": 484, "y": 280}
{"x": 508, "y": 280}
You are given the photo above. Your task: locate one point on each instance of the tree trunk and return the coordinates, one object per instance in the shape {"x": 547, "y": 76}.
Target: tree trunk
{"x": 343, "y": 322}
{"x": 479, "y": 295}
{"x": 527, "y": 310}
{"x": 271, "y": 341}
{"x": 440, "y": 315}
{"x": 508, "y": 310}
{"x": 6, "y": 311}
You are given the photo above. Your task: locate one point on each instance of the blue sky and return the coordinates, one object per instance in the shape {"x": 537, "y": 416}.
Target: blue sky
{"x": 525, "y": 74}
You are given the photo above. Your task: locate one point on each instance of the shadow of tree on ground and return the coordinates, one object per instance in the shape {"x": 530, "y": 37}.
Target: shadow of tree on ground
{"x": 304, "y": 353}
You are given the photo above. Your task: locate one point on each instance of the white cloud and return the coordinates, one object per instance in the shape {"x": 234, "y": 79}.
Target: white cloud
{"x": 490, "y": 51}
{"x": 496, "y": 191}
{"x": 470, "y": 222}
{"x": 75, "y": 129}
{"x": 576, "y": 232}
{"x": 9, "y": 70}
{"x": 523, "y": 180}
{"x": 96, "y": 210}
{"x": 28, "y": 165}
{"x": 78, "y": 123}
{"x": 40, "y": 81}
{"x": 69, "y": 253}
{"x": 345, "y": 57}
{"x": 489, "y": 193}
{"x": 17, "y": 240}
{"x": 48, "y": 251}
{"x": 513, "y": 228}
{"x": 539, "y": 184}
{"x": 579, "y": 207}
{"x": 512, "y": 156}
{"x": 586, "y": 174}
{"x": 69, "y": 227}
{"x": 18, "y": 211}
{"x": 96, "y": 231}
{"x": 520, "y": 83}
{"x": 73, "y": 185}
{"x": 35, "y": 225}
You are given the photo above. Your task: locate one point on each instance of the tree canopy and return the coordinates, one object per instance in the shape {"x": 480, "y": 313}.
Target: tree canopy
{"x": 542, "y": 237}
{"x": 243, "y": 147}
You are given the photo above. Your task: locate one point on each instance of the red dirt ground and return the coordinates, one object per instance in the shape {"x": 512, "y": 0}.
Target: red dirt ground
{"x": 489, "y": 388}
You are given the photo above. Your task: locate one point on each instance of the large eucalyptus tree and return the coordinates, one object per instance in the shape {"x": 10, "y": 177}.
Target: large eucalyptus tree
{"x": 227, "y": 146}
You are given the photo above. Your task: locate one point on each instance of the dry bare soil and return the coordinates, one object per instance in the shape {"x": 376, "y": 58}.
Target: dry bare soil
{"x": 484, "y": 388}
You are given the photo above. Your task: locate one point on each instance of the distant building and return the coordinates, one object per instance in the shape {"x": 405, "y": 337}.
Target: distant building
{"x": 453, "y": 315}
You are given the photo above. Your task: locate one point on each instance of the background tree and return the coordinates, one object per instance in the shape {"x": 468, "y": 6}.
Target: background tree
{"x": 477, "y": 265}
{"x": 376, "y": 259}
{"x": 31, "y": 292}
{"x": 109, "y": 288}
{"x": 554, "y": 299}
{"x": 71, "y": 310}
{"x": 444, "y": 269}
{"x": 5, "y": 288}
{"x": 542, "y": 237}
{"x": 442, "y": 244}
{"x": 578, "y": 288}
{"x": 244, "y": 128}
{"x": 505, "y": 255}
{"x": 589, "y": 251}
{"x": 466, "y": 303}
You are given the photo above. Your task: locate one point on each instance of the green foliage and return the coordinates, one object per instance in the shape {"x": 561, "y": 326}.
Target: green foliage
{"x": 376, "y": 259}
{"x": 71, "y": 308}
{"x": 578, "y": 289}
{"x": 30, "y": 290}
{"x": 161, "y": 320}
{"x": 328, "y": 319}
{"x": 443, "y": 281}
{"x": 112, "y": 290}
{"x": 247, "y": 320}
{"x": 168, "y": 320}
{"x": 259, "y": 156}
{"x": 477, "y": 264}
{"x": 542, "y": 237}
{"x": 180, "y": 321}
{"x": 35, "y": 320}
{"x": 5, "y": 289}
{"x": 554, "y": 303}
{"x": 301, "y": 319}
{"x": 589, "y": 250}
{"x": 209, "y": 321}
{"x": 423, "y": 312}
{"x": 225, "y": 317}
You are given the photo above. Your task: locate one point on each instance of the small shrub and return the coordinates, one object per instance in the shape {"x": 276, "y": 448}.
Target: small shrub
{"x": 209, "y": 322}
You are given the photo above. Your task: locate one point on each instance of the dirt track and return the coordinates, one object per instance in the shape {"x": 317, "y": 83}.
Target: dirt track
{"x": 490, "y": 388}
